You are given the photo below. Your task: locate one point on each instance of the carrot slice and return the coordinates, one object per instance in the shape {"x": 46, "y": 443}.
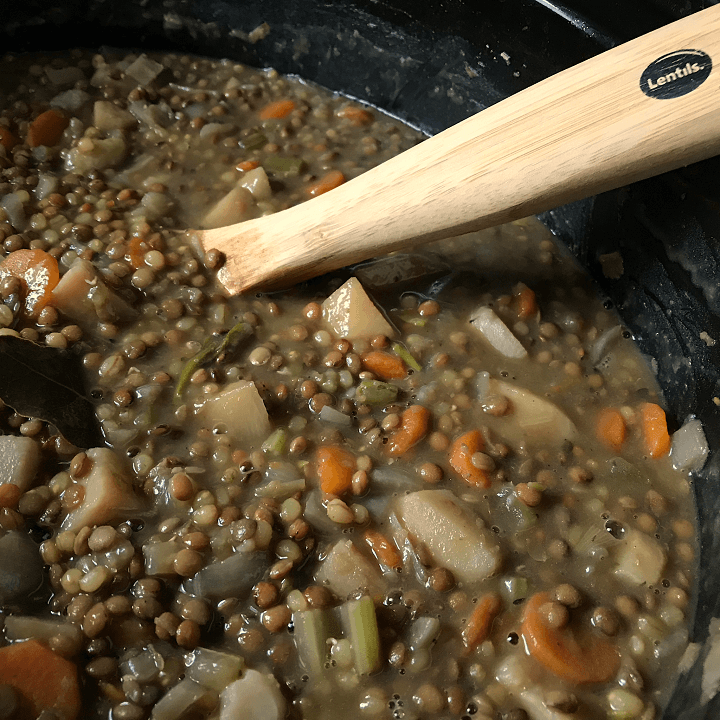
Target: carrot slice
{"x": 277, "y": 110}
{"x": 384, "y": 365}
{"x": 7, "y": 139}
{"x": 335, "y": 468}
{"x": 136, "y": 250}
{"x": 413, "y": 428}
{"x": 326, "y": 183}
{"x": 461, "y": 452}
{"x": 595, "y": 661}
{"x": 356, "y": 115}
{"x": 525, "y": 302}
{"x": 46, "y": 681}
{"x": 655, "y": 432}
{"x": 479, "y": 624}
{"x": 47, "y": 128}
{"x": 38, "y": 274}
{"x": 246, "y": 165}
{"x": 611, "y": 428}
{"x": 385, "y": 552}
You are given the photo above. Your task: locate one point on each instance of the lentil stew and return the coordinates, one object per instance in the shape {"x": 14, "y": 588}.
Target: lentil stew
{"x": 441, "y": 485}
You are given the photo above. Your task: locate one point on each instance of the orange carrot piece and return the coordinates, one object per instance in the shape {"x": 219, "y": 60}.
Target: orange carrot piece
{"x": 655, "y": 432}
{"x": 611, "y": 428}
{"x": 326, "y": 183}
{"x": 384, "y": 551}
{"x": 594, "y": 661}
{"x": 384, "y": 365}
{"x": 461, "y": 452}
{"x": 136, "y": 250}
{"x": 356, "y": 115}
{"x": 335, "y": 468}
{"x": 246, "y": 165}
{"x": 38, "y": 274}
{"x": 46, "y": 681}
{"x": 47, "y": 128}
{"x": 479, "y": 624}
{"x": 7, "y": 139}
{"x": 414, "y": 426}
{"x": 525, "y": 302}
{"x": 277, "y": 110}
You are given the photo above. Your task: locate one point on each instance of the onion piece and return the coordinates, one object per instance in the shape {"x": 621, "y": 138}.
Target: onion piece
{"x": 331, "y": 415}
{"x": 497, "y": 333}
{"x": 689, "y": 447}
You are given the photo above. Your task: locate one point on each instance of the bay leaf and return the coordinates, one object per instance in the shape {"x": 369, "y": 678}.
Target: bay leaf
{"x": 48, "y": 383}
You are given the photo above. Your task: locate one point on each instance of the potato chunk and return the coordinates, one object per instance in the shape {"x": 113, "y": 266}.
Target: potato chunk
{"x": 641, "y": 560}
{"x": 255, "y": 696}
{"x": 347, "y": 572}
{"x": 350, "y": 313}
{"x": 109, "y": 497}
{"x": 19, "y": 460}
{"x": 453, "y": 538}
{"x": 240, "y": 409}
{"x": 231, "y": 208}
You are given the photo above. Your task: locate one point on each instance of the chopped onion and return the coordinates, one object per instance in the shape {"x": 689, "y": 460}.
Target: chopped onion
{"x": 689, "y": 446}
{"x": 497, "y": 333}
{"x": 71, "y": 100}
{"x": 331, "y": 415}
{"x": 13, "y": 207}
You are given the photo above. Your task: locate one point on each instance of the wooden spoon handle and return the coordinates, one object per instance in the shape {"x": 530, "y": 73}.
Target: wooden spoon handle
{"x": 645, "y": 107}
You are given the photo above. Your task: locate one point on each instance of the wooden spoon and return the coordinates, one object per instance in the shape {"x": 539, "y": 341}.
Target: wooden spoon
{"x": 643, "y": 108}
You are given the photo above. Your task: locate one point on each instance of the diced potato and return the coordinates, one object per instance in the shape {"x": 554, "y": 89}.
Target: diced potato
{"x": 350, "y": 313}
{"x": 641, "y": 559}
{"x": 255, "y": 696}
{"x": 109, "y": 497}
{"x": 455, "y": 541}
{"x": 103, "y": 154}
{"x": 82, "y": 296}
{"x": 19, "y": 460}
{"x": 256, "y": 181}
{"x": 107, "y": 116}
{"x": 144, "y": 70}
{"x": 347, "y": 572}
{"x": 497, "y": 333}
{"x": 232, "y": 208}
{"x": 212, "y": 668}
{"x": 538, "y": 420}
{"x": 28, "y": 627}
{"x": 240, "y": 409}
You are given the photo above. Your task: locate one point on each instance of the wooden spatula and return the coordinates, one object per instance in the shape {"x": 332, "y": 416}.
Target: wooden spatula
{"x": 646, "y": 107}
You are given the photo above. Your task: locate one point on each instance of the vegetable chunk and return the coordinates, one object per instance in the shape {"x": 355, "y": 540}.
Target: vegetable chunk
{"x": 497, "y": 333}
{"x": 109, "y": 497}
{"x": 241, "y": 410}
{"x": 46, "y": 682}
{"x": 641, "y": 560}
{"x": 453, "y": 538}
{"x": 19, "y": 460}
{"x": 350, "y": 313}
{"x": 347, "y": 572}
{"x": 255, "y": 696}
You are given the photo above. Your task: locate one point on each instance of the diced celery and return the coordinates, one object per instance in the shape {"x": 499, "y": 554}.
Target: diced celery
{"x": 525, "y": 516}
{"x": 376, "y": 392}
{"x": 515, "y": 588}
{"x": 360, "y": 626}
{"x": 407, "y": 358}
{"x": 311, "y": 629}
{"x": 254, "y": 141}
{"x": 275, "y": 443}
{"x": 284, "y": 165}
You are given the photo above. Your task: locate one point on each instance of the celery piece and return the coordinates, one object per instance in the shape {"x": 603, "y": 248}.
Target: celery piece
{"x": 376, "y": 392}
{"x": 311, "y": 629}
{"x": 254, "y": 141}
{"x": 360, "y": 627}
{"x": 284, "y": 165}
{"x": 515, "y": 588}
{"x": 404, "y": 354}
{"x": 275, "y": 443}
{"x": 525, "y": 516}
{"x": 211, "y": 349}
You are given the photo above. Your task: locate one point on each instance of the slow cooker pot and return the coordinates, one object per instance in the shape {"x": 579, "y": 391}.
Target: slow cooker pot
{"x": 436, "y": 62}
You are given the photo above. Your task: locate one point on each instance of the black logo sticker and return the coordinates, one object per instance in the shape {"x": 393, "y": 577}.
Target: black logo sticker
{"x": 675, "y": 74}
